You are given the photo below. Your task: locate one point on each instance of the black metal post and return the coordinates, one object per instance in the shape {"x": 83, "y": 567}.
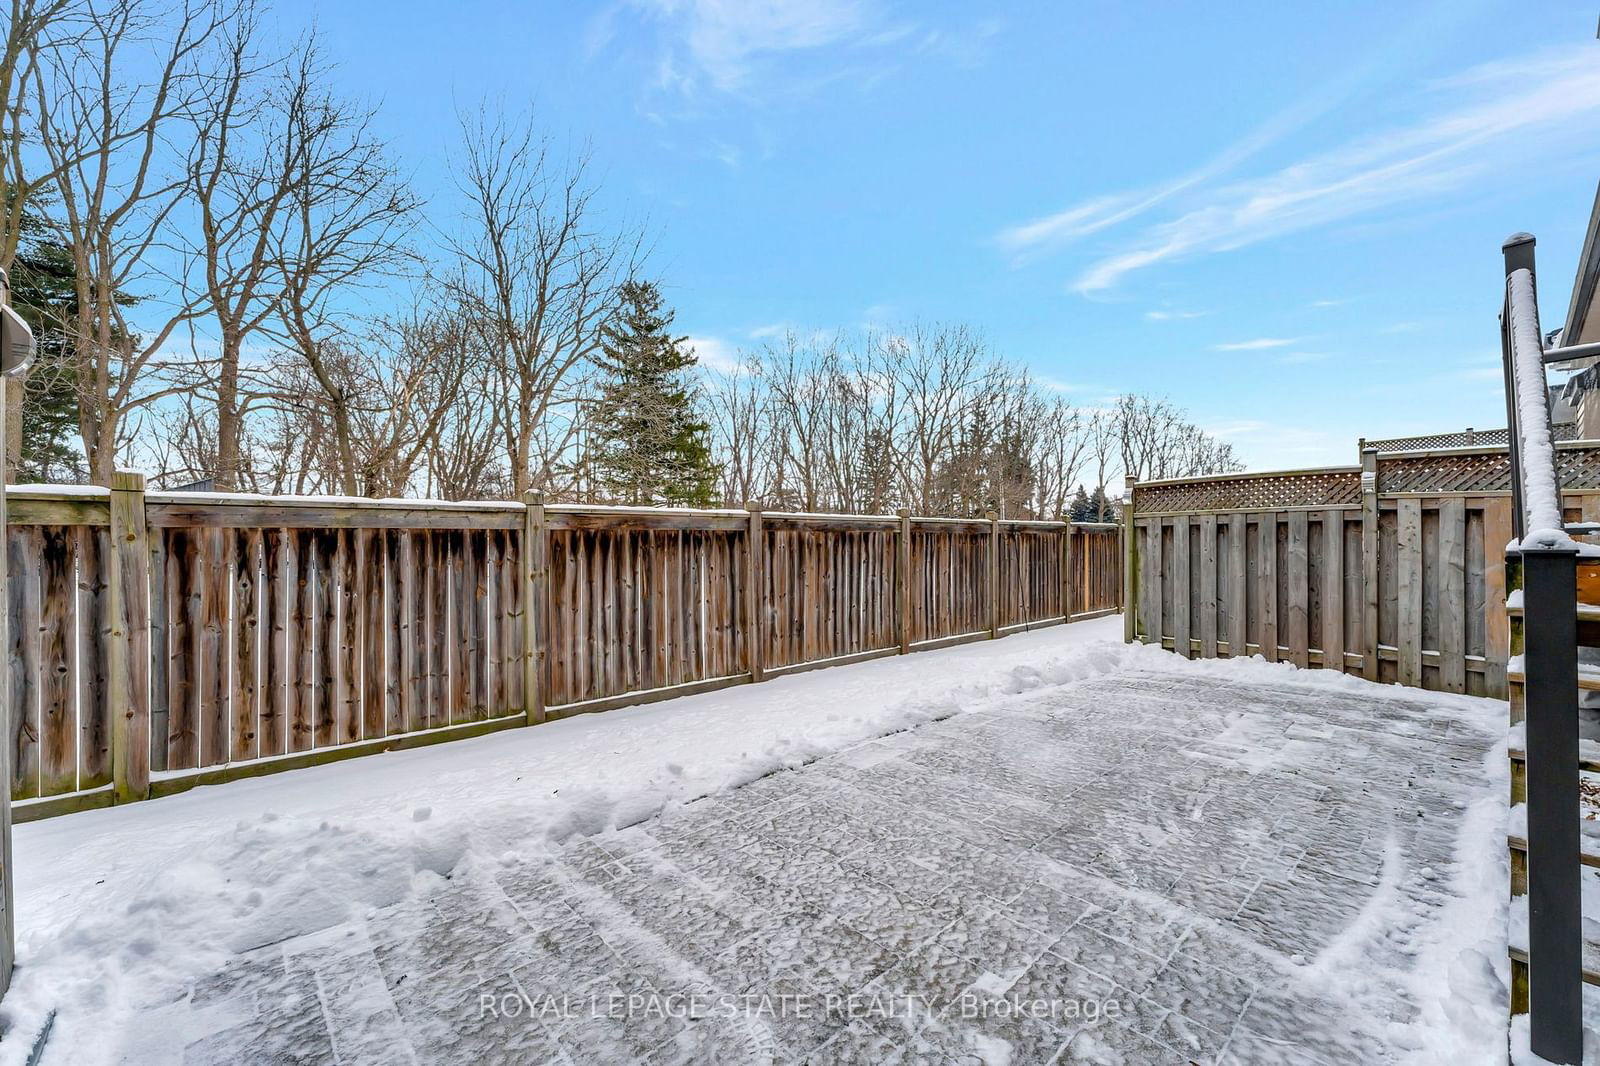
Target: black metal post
{"x": 1555, "y": 920}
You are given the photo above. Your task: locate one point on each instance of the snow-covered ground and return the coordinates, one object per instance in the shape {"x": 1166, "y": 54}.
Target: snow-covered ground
{"x": 115, "y": 908}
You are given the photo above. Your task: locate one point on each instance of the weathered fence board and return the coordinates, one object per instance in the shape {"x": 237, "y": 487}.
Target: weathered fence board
{"x": 1397, "y": 576}
{"x": 258, "y": 634}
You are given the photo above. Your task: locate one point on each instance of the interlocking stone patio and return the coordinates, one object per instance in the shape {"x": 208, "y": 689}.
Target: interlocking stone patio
{"x": 1159, "y": 869}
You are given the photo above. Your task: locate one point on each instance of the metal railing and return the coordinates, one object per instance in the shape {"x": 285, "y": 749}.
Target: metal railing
{"x": 1546, "y": 558}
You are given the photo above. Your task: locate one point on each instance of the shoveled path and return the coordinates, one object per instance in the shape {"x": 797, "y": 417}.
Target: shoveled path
{"x": 1141, "y": 868}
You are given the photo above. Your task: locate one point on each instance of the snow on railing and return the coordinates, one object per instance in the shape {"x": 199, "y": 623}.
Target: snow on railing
{"x": 1541, "y": 495}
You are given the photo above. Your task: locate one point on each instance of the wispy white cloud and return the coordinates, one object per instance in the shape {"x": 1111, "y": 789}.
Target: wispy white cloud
{"x": 1473, "y": 126}
{"x": 1170, "y": 316}
{"x": 1259, "y": 344}
{"x": 715, "y": 353}
{"x": 718, "y": 42}
{"x": 1328, "y": 303}
{"x": 1297, "y": 358}
{"x": 771, "y": 329}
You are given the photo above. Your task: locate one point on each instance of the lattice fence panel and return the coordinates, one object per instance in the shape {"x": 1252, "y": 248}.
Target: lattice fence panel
{"x": 1473, "y": 438}
{"x": 1470, "y": 472}
{"x": 1269, "y": 492}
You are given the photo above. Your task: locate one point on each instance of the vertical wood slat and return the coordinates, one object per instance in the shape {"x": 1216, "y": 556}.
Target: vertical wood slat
{"x": 245, "y": 631}
{"x": 756, "y": 605}
{"x": 993, "y": 581}
{"x": 1238, "y": 592}
{"x": 58, "y": 623}
{"x": 23, "y": 550}
{"x": 435, "y": 635}
{"x": 458, "y": 628}
{"x": 1369, "y": 564}
{"x": 129, "y": 583}
{"x": 415, "y": 585}
{"x": 1333, "y": 590}
{"x": 402, "y": 705}
{"x": 1497, "y": 640}
{"x": 302, "y": 654}
{"x": 213, "y": 667}
{"x": 346, "y": 631}
{"x": 513, "y": 613}
{"x": 535, "y": 611}
{"x": 1181, "y": 587}
{"x": 1150, "y": 595}
{"x": 372, "y": 604}
{"x": 96, "y": 632}
{"x": 1452, "y": 595}
{"x": 1208, "y": 586}
{"x": 329, "y": 700}
{"x": 156, "y": 574}
{"x": 1267, "y": 583}
{"x": 277, "y": 600}
{"x": 1408, "y": 551}
{"x": 494, "y": 613}
{"x": 183, "y": 689}
{"x": 1297, "y": 566}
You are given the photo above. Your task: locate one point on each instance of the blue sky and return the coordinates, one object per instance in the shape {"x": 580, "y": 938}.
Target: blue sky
{"x": 1285, "y": 217}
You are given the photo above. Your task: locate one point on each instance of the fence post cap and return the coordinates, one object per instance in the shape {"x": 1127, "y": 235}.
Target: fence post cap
{"x": 753, "y": 506}
{"x": 1516, "y": 239}
{"x": 992, "y": 516}
{"x": 533, "y": 498}
{"x": 126, "y": 481}
{"x": 903, "y": 512}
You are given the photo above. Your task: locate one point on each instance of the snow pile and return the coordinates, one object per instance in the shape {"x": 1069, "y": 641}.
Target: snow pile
{"x": 117, "y": 908}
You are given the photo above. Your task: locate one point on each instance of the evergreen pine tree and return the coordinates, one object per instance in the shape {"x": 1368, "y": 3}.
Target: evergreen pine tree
{"x": 43, "y": 292}
{"x": 1101, "y": 507}
{"x": 651, "y": 445}
{"x": 1081, "y": 510}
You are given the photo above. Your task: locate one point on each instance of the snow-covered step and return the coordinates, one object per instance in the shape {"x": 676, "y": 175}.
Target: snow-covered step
{"x": 1588, "y": 675}
{"x": 1586, "y": 857}
{"x": 1587, "y": 612}
{"x": 1517, "y": 930}
{"x": 1588, "y": 759}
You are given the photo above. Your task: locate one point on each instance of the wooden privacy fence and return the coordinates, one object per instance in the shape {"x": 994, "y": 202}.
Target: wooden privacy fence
{"x": 163, "y": 640}
{"x": 1393, "y": 570}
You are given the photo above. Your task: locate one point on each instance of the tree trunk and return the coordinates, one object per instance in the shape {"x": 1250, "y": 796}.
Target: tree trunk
{"x": 226, "y": 474}
{"x": 14, "y": 392}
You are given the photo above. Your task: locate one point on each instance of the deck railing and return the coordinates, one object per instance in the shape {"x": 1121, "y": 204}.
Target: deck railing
{"x": 1545, "y": 559}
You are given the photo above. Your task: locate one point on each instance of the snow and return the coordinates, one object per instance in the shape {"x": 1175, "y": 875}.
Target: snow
{"x": 113, "y": 902}
{"x": 58, "y": 490}
{"x": 114, "y": 906}
{"x": 1541, "y": 497}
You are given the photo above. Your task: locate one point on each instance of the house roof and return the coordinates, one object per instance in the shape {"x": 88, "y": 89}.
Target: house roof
{"x": 1583, "y": 313}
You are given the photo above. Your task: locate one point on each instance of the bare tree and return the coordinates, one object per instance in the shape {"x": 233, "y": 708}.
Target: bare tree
{"x": 1157, "y": 441}
{"x": 345, "y": 220}
{"x": 539, "y": 279}
{"x": 35, "y": 27}
{"x": 107, "y": 136}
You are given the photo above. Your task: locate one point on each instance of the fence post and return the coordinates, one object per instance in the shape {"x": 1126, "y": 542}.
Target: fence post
{"x": 1066, "y": 568}
{"x": 535, "y": 581}
{"x": 994, "y": 574}
{"x": 1555, "y": 921}
{"x": 902, "y": 578}
{"x": 128, "y": 646}
{"x": 1369, "y": 564}
{"x": 1130, "y": 567}
{"x": 755, "y": 575}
